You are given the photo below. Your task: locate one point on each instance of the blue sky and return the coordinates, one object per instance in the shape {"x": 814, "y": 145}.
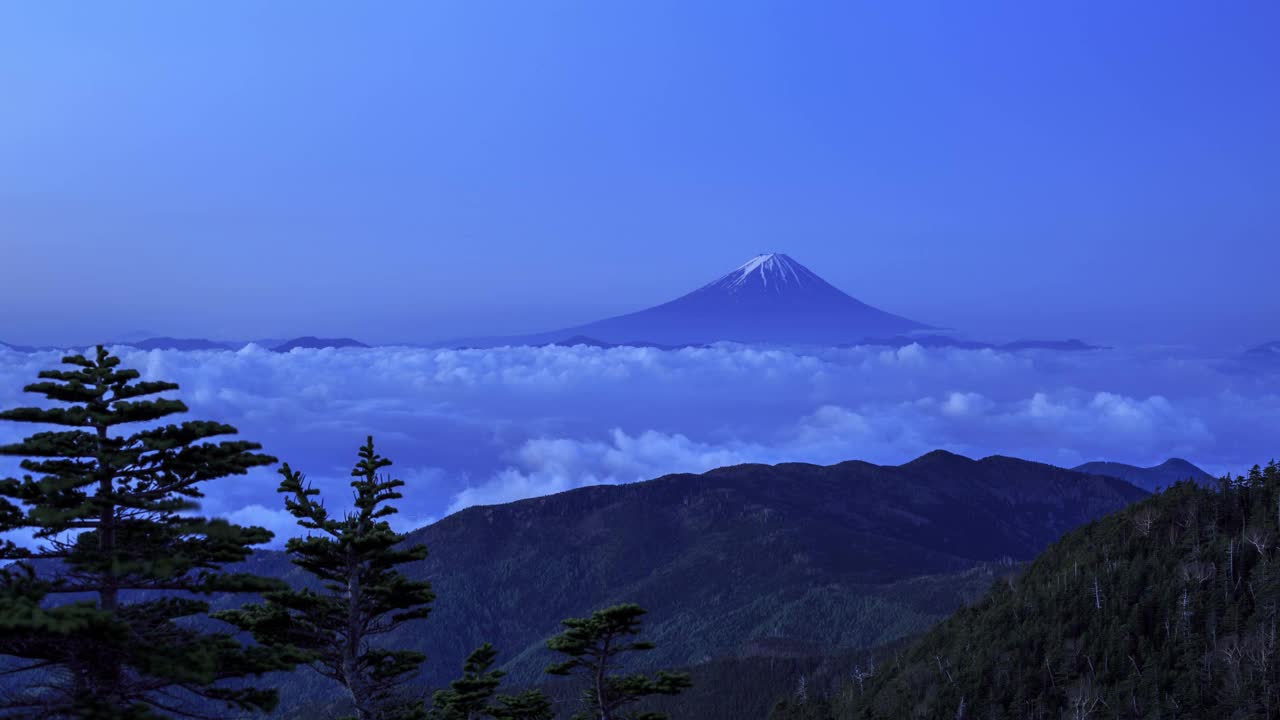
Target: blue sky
{"x": 415, "y": 171}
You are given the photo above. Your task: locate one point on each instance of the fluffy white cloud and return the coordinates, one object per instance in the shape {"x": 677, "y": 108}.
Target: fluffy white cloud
{"x": 483, "y": 426}
{"x": 283, "y": 525}
{"x": 276, "y": 519}
{"x": 965, "y": 404}
{"x": 1111, "y": 425}
{"x": 550, "y": 465}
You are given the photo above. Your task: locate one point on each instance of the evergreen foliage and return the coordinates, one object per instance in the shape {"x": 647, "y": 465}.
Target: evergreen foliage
{"x": 364, "y": 596}
{"x": 471, "y": 697}
{"x": 595, "y": 645}
{"x": 1168, "y": 609}
{"x": 93, "y": 617}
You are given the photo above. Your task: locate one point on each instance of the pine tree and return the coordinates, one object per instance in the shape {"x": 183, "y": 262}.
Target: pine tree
{"x": 471, "y": 697}
{"x": 595, "y": 646}
{"x": 528, "y": 705}
{"x": 355, "y": 557}
{"x": 82, "y": 612}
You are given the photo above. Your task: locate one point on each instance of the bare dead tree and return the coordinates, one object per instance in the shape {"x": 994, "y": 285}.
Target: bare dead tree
{"x": 1133, "y": 696}
{"x": 1233, "y": 654}
{"x": 862, "y": 675}
{"x": 1084, "y": 700}
{"x": 1258, "y": 651}
{"x": 1144, "y": 520}
{"x": 1188, "y": 516}
{"x": 1198, "y": 572}
{"x": 1231, "y": 568}
{"x": 1259, "y": 539}
{"x": 944, "y": 669}
{"x": 1185, "y": 613}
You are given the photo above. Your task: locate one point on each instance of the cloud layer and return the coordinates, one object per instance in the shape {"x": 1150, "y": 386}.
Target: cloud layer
{"x": 484, "y": 426}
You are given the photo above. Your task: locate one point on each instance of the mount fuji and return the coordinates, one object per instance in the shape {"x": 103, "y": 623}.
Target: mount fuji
{"x": 770, "y": 298}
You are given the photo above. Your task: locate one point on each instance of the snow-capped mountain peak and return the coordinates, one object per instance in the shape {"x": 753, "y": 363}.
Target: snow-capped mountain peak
{"x": 771, "y": 266}
{"x": 770, "y": 272}
{"x": 770, "y": 298}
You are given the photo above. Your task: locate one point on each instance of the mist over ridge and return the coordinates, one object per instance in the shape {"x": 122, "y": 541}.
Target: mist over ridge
{"x": 492, "y": 425}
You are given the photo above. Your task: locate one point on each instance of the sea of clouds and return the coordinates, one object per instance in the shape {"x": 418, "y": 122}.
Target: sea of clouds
{"x": 482, "y": 426}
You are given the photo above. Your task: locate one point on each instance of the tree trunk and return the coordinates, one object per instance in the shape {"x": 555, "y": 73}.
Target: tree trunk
{"x": 601, "y": 669}
{"x": 109, "y": 596}
{"x": 105, "y": 675}
{"x": 356, "y": 685}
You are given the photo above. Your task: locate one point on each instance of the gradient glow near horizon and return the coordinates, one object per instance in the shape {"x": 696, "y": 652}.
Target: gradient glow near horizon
{"x": 407, "y": 172}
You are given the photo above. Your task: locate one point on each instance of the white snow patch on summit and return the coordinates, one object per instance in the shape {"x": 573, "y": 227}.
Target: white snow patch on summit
{"x": 775, "y": 265}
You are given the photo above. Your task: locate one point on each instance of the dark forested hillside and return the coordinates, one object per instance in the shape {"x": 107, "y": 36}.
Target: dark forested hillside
{"x": 741, "y": 559}
{"x": 754, "y": 576}
{"x": 1167, "y": 609}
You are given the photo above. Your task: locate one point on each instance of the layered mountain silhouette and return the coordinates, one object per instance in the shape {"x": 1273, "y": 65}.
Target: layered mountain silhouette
{"x": 318, "y": 343}
{"x": 1266, "y": 350}
{"x": 768, "y": 299}
{"x": 1265, "y": 358}
{"x": 741, "y": 560}
{"x": 168, "y": 343}
{"x": 1150, "y": 478}
{"x": 946, "y": 341}
{"x": 195, "y": 344}
{"x": 27, "y": 348}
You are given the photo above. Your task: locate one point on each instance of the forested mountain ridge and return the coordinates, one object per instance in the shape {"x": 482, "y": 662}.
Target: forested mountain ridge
{"x": 1167, "y": 609}
{"x": 746, "y": 564}
{"x": 740, "y": 554}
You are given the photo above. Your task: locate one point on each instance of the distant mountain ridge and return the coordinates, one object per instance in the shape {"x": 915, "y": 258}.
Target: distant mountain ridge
{"x": 315, "y": 343}
{"x": 189, "y": 344}
{"x": 1150, "y": 478}
{"x": 1261, "y": 357}
{"x": 23, "y": 348}
{"x": 201, "y": 344}
{"x": 1267, "y": 350}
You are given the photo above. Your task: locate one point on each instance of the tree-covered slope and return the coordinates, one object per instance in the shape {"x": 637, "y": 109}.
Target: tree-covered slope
{"x": 846, "y": 556}
{"x": 1167, "y": 609}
